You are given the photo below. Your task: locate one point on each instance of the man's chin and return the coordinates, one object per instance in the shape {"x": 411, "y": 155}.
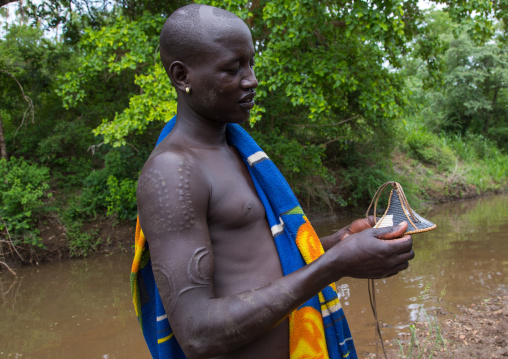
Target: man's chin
{"x": 240, "y": 119}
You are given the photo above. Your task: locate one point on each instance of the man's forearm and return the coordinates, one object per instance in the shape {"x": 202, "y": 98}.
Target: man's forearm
{"x": 331, "y": 240}
{"x": 234, "y": 321}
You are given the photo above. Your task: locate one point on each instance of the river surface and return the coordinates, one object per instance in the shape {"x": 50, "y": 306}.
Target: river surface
{"x": 82, "y": 309}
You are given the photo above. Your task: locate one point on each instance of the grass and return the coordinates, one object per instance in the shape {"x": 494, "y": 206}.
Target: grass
{"x": 424, "y": 339}
{"x": 448, "y": 165}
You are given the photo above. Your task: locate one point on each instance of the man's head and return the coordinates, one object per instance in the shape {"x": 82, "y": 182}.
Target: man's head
{"x": 208, "y": 54}
{"x": 184, "y": 34}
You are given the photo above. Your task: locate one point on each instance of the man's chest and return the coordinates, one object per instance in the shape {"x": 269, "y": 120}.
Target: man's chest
{"x": 233, "y": 200}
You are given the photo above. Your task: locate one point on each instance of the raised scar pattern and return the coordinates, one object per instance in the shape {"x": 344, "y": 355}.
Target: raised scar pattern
{"x": 165, "y": 282}
{"x": 172, "y": 212}
{"x": 165, "y": 286}
{"x": 194, "y": 272}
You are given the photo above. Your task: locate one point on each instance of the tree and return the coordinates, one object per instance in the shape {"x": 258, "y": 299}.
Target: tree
{"x": 29, "y": 110}
{"x": 328, "y": 70}
{"x": 476, "y": 85}
{"x": 74, "y": 16}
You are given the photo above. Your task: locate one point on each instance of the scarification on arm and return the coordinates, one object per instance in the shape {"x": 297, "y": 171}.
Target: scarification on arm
{"x": 166, "y": 286}
{"x": 194, "y": 272}
{"x": 166, "y": 272}
{"x": 166, "y": 201}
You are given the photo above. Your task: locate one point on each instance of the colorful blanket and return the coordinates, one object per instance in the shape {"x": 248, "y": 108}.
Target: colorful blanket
{"x": 318, "y": 328}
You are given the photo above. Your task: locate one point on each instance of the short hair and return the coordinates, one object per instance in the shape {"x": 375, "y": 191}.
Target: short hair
{"x": 181, "y": 33}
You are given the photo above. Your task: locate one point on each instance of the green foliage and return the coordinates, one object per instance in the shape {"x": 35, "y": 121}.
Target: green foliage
{"x": 23, "y": 189}
{"x": 452, "y": 164}
{"x": 124, "y": 45}
{"x": 363, "y": 181}
{"x": 455, "y": 130}
{"x": 81, "y": 243}
{"x": 72, "y": 17}
{"x": 157, "y": 102}
{"x": 122, "y": 198}
{"x": 322, "y": 73}
{"x": 487, "y": 165}
{"x": 342, "y": 85}
{"x": 287, "y": 154}
{"x": 476, "y": 85}
{"x": 112, "y": 188}
{"x": 367, "y": 168}
{"x": 427, "y": 147}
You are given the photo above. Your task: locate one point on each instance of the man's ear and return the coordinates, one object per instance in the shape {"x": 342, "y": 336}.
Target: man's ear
{"x": 178, "y": 73}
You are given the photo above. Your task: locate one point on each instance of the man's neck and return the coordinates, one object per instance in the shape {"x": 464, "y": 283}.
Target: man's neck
{"x": 199, "y": 129}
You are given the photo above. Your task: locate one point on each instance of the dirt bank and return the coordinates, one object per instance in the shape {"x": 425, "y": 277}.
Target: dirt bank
{"x": 479, "y": 331}
{"x": 109, "y": 236}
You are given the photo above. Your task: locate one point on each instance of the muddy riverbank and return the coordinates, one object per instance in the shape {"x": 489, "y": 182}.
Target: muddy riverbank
{"x": 480, "y": 330}
{"x": 114, "y": 236}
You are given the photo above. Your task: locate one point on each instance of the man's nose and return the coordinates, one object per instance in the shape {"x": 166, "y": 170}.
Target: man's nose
{"x": 250, "y": 80}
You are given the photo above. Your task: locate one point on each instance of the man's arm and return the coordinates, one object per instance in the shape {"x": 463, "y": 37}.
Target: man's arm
{"x": 173, "y": 196}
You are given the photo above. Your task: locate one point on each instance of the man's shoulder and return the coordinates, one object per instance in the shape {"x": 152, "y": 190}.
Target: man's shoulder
{"x": 171, "y": 167}
{"x": 170, "y": 159}
{"x": 170, "y": 183}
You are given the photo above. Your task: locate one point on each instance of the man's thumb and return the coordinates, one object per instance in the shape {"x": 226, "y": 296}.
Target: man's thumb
{"x": 391, "y": 232}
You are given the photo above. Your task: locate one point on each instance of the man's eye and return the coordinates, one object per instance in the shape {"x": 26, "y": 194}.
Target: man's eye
{"x": 234, "y": 70}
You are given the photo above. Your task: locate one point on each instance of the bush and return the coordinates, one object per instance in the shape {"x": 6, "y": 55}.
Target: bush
{"x": 22, "y": 190}
{"x": 113, "y": 188}
{"x": 428, "y": 148}
{"x": 122, "y": 198}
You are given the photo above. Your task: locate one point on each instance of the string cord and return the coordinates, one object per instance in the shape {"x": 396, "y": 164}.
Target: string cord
{"x": 372, "y": 299}
{"x": 372, "y": 292}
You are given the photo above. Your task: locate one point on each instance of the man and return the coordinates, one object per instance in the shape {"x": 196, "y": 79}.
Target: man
{"x": 212, "y": 251}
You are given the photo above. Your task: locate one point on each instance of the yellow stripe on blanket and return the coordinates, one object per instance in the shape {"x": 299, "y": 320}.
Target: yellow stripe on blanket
{"x": 307, "y": 335}
{"x": 165, "y": 339}
{"x": 329, "y": 307}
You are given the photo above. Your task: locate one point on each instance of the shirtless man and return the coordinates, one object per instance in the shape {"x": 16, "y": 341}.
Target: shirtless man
{"x": 212, "y": 251}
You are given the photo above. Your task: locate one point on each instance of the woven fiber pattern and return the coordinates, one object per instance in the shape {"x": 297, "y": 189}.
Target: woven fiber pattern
{"x": 397, "y": 213}
{"x": 398, "y": 210}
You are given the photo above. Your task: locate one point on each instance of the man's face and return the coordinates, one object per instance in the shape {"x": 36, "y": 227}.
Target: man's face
{"x": 223, "y": 79}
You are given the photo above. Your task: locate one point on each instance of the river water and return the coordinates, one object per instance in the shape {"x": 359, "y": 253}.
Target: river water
{"x": 82, "y": 309}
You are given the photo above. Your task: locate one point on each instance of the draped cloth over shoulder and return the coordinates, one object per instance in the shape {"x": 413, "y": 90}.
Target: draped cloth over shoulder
{"x": 318, "y": 328}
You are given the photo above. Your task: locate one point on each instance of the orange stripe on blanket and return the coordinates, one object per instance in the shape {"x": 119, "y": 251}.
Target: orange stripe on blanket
{"x": 307, "y": 335}
{"x": 138, "y": 247}
{"x": 308, "y": 242}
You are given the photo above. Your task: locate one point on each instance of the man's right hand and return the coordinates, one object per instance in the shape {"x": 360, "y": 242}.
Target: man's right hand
{"x": 372, "y": 253}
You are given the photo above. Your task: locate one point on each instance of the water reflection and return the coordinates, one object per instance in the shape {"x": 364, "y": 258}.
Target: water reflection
{"x": 78, "y": 309}
{"x": 83, "y": 308}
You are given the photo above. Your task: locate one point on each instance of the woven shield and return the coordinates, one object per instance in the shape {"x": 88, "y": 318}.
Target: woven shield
{"x": 398, "y": 210}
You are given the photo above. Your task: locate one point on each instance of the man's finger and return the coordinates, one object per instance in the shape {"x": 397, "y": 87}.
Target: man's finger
{"x": 391, "y": 232}
{"x": 401, "y": 267}
{"x": 371, "y": 221}
{"x": 407, "y": 256}
{"x": 401, "y": 245}
{"x": 361, "y": 224}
